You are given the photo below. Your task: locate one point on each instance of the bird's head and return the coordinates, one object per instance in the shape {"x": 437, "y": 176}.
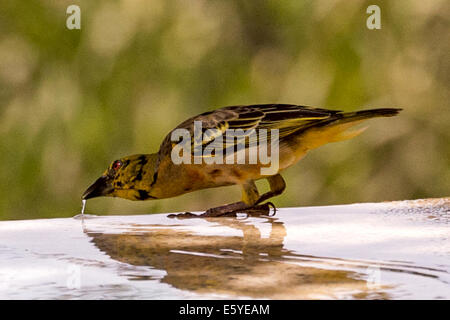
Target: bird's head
{"x": 129, "y": 178}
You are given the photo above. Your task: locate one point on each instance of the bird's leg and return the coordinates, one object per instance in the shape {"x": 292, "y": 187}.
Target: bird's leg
{"x": 277, "y": 186}
{"x": 249, "y": 204}
{"x": 250, "y": 201}
{"x": 250, "y": 195}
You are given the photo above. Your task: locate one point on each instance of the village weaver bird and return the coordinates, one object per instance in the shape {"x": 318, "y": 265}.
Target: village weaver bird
{"x": 300, "y": 129}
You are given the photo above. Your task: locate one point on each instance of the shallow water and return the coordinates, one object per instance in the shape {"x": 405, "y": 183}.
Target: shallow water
{"x": 386, "y": 251}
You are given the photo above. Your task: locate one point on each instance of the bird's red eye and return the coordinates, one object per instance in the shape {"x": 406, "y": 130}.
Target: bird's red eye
{"x": 117, "y": 164}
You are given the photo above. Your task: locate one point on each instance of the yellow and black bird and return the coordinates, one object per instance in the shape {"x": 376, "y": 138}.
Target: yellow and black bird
{"x": 300, "y": 129}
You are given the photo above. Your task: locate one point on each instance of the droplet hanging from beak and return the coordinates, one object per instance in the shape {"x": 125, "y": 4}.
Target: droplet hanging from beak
{"x": 83, "y": 206}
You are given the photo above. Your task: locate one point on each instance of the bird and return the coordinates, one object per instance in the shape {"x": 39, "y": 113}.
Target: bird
{"x": 293, "y": 129}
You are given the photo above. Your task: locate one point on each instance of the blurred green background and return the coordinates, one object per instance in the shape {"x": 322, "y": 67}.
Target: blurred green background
{"x": 71, "y": 101}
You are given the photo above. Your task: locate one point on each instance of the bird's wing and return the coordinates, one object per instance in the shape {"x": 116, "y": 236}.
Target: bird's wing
{"x": 250, "y": 119}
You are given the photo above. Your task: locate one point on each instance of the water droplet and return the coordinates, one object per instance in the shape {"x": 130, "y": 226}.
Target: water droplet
{"x": 83, "y": 206}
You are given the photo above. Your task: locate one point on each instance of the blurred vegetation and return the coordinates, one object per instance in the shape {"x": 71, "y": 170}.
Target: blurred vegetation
{"x": 71, "y": 101}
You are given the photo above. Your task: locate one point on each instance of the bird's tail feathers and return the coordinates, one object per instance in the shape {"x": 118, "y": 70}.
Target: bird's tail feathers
{"x": 367, "y": 114}
{"x": 337, "y": 129}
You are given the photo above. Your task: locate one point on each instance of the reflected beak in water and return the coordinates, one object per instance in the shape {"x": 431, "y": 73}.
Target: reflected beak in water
{"x": 99, "y": 188}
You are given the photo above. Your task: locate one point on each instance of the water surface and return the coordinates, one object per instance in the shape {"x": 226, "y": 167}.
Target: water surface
{"x": 384, "y": 251}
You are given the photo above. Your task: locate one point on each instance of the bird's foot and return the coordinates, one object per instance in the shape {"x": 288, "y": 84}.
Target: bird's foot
{"x": 223, "y": 211}
{"x": 230, "y": 211}
{"x": 186, "y": 215}
{"x": 260, "y": 210}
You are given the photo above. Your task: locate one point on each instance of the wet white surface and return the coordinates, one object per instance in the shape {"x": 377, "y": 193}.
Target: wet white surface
{"x": 397, "y": 250}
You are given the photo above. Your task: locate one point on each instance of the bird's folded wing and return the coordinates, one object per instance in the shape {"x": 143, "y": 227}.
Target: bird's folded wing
{"x": 246, "y": 123}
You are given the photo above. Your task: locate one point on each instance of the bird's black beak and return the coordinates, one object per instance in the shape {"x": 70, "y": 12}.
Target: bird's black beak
{"x": 99, "y": 188}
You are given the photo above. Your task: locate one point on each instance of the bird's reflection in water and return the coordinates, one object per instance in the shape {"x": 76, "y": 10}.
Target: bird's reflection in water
{"x": 243, "y": 266}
